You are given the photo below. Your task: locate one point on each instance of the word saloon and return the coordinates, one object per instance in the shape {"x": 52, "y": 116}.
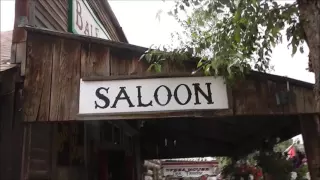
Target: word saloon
{"x": 152, "y": 95}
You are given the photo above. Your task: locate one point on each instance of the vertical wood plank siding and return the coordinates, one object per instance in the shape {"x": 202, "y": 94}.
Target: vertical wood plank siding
{"x": 54, "y": 69}
{"x": 37, "y": 154}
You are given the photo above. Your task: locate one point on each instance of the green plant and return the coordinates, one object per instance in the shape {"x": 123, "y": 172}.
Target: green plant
{"x": 230, "y": 37}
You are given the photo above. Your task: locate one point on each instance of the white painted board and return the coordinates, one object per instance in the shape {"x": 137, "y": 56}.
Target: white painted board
{"x": 85, "y": 22}
{"x": 189, "y": 171}
{"x": 152, "y": 95}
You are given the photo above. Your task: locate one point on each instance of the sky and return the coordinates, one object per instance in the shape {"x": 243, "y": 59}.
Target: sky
{"x": 141, "y": 27}
{"x": 139, "y": 22}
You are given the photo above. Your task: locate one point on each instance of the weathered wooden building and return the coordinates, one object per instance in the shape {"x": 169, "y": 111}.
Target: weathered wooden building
{"x": 59, "y": 151}
{"x": 61, "y": 82}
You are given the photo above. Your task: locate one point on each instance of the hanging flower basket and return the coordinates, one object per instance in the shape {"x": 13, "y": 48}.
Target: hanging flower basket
{"x": 243, "y": 171}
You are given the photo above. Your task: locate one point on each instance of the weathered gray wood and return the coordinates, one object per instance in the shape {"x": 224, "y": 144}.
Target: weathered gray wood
{"x": 37, "y": 85}
{"x": 13, "y": 53}
{"x": 126, "y": 64}
{"x": 142, "y": 75}
{"x": 137, "y": 50}
{"x": 48, "y": 14}
{"x": 72, "y": 60}
{"x": 65, "y": 80}
{"x": 95, "y": 60}
{"x": 31, "y": 16}
{"x": 21, "y": 56}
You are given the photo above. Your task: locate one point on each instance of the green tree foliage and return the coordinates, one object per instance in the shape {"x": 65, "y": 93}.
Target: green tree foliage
{"x": 272, "y": 161}
{"x": 231, "y": 36}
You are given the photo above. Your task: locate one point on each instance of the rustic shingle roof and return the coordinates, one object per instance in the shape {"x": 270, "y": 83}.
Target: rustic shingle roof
{"x": 5, "y": 43}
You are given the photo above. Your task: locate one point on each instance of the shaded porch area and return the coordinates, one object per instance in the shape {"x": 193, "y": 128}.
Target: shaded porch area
{"x": 225, "y": 136}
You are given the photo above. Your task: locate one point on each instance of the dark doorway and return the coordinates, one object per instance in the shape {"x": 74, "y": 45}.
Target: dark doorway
{"x": 116, "y": 165}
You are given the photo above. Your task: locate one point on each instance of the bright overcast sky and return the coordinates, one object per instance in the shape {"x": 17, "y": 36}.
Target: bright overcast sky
{"x": 138, "y": 20}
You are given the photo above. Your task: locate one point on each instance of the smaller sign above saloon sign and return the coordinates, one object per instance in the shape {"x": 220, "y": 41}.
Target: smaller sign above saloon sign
{"x": 152, "y": 95}
{"x": 84, "y": 22}
{"x": 189, "y": 171}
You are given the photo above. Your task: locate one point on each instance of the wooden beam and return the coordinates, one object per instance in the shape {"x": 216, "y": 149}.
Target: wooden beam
{"x": 283, "y": 130}
{"x": 155, "y": 115}
{"x": 154, "y": 148}
{"x": 208, "y": 133}
{"x": 176, "y": 134}
{"x": 310, "y": 126}
{"x": 257, "y": 95}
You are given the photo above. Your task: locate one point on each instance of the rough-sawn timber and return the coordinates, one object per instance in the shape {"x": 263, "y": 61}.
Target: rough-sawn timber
{"x": 54, "y": 68}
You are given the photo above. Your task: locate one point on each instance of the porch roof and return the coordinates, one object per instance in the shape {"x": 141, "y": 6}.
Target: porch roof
{"x": 140, "y": 50}
{"x": 254, "y": 116}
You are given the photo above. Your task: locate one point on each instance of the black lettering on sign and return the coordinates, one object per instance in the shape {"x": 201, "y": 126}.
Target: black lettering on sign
{"x": 141, "y": 104}
{"x": 208, "y": 96}
{"x": 97, "y": 32}
{"x": 102, "y": 97}
{"x": 126, "y": 97}
{"x": 79, "y": 18}
{"x": 86, "y": 30}
{"x": 157, "y": 98}
{"x": 177, "y": 97}
{"x": 91, "y": 30}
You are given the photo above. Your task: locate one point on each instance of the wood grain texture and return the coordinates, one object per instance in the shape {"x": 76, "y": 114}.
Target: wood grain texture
{"x": 37, "y": 85}
{"x": 65, "y": 80}
{"x": 54, "y": 69}
{"x": 259, "y": 97}
{"x": 51, "y": 14}
{"x": 95, "y": 60}
{"x": 128, "y": 64}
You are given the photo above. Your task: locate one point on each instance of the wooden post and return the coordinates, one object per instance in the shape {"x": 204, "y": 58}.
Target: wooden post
{"x": 137, "y": 154}
{"x": 310, "y": 127}
{"x": 85, "y": 150}
{"x": 18, "y": 128}
{"x": 7, "y": 92}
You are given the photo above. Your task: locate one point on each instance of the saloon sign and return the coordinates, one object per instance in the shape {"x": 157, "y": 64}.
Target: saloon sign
{"x": 152, "y": 95}
{"x": 84, "y": 22}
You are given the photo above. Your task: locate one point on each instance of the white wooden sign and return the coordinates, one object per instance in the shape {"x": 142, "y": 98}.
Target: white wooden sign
{"x": 195, "y": 171}
{"x": 152, "y": 95}
{"x": 85, "y": 22}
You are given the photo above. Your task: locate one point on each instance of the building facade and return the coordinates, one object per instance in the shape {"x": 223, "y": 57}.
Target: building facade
{"x": 52, "y": 129}
{"x": 67, "y": 150}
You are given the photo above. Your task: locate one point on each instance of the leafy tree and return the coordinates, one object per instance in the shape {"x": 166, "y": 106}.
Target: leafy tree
{"x": 230, "y": 37}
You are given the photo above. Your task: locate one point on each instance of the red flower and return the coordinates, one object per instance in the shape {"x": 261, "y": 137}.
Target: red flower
{"x": 259, "y": 173}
